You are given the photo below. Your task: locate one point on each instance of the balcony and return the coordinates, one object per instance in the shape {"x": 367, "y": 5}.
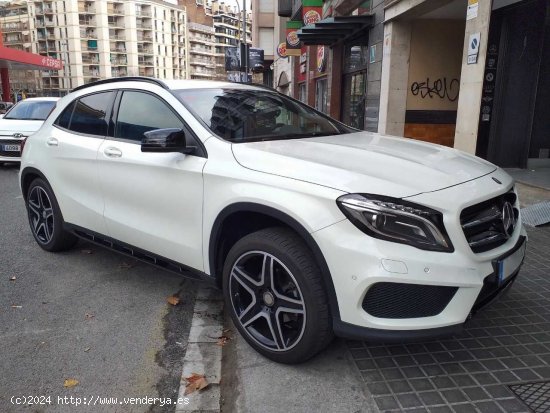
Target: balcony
{"x": 43, "y": 10}
{"x": 118, "y": 49}
{"x": 143, "y": 13}
{"x": 14, "y": 27}
{"x": 145, "y": 39}
{"x": 147, "y": 72}
{"x": 117, "y": 11}
{"x": 146, "y": 62}
{"x": 93, "y": 59}
{"x": 88, "y": 34}
{"x": 87, "y": 22}
{"x": 86, "y": 10}
{"x": 118, "y": 60}
{"x": 145, "y": 50}
{"x": 200, "y": 50}
{"x": 90, "y": 73}
{"x": 144, "y": 26}
{"x": 118, "y": 73}
{"x": 116, "y": 24}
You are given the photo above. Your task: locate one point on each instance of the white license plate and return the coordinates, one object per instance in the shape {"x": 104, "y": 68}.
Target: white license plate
{"x": 11, "y": 148}
{"x": 509, "y": 265}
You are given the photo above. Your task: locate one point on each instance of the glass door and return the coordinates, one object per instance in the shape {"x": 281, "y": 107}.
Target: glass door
{"x": 353, "y": 99}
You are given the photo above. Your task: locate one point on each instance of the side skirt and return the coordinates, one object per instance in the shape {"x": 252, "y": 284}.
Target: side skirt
{"x": 139, "y": 254}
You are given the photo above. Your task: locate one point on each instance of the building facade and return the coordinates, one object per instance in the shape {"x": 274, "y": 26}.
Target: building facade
{"x": 265, "y": 35}
{"x": 338, "y": 66}
{"x": 473, "y": 75}
{"x": 100, "y": 39}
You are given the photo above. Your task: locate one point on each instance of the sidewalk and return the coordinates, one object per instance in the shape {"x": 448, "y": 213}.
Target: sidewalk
{"x": 327, "y": 383}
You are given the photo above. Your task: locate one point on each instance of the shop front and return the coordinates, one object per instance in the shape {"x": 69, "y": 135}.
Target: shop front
{"x": 338, "y": 58}
{"x": 514, "y": 126}
{"x": 474, "y": 75}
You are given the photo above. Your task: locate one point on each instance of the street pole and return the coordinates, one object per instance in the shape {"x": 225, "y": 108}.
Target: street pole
{"x": 244, "y": 42}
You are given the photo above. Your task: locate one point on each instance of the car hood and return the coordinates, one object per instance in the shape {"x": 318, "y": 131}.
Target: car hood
{"x": 364, "y": 162}
{"x": 26, "y": 127}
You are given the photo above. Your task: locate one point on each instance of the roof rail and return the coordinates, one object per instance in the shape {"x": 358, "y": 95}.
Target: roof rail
{"x": 123, "y": 79}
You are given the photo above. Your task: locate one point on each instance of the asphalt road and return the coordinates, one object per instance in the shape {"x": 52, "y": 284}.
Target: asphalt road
{"x": 99, "y": 318}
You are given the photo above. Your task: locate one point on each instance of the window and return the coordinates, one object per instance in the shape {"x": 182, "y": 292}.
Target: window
{"x": 267, "y": 6}
{"x": 65, "y": 118}
{"x": 321, "y": 95}
{"x": 302, "y": 93}
{"x": 141, "y": 112}
{"x": 249, "y": 114}
{"x": 267, "y": 41}
{"x": 89, "y": 115}
{"x": 31, "y": 110}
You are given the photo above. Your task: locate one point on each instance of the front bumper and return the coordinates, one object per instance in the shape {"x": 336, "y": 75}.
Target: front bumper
{"x": 357, "y": 262}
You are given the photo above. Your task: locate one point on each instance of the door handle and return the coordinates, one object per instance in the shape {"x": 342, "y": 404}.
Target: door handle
{"x": 112, "y": 152}
{"x": 52, "y": 142}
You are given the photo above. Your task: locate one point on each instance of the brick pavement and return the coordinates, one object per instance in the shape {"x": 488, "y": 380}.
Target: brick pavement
{"x": 506, "y": 343}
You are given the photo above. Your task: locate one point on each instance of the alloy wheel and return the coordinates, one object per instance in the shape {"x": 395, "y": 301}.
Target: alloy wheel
{"x": 267, "y": 301}
{"x": 41, "y": 214}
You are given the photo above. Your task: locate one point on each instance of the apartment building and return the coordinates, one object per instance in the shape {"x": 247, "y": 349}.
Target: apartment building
{"x": 99, "y": 39}
{"x": 266, "y": 32}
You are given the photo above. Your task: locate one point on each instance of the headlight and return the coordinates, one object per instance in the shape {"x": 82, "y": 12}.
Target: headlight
{"x": 396, "y": 220}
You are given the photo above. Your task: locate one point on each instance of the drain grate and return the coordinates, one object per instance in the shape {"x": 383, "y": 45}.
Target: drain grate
{"x": 536, "y": 214}
{"x": 535, "y": 395}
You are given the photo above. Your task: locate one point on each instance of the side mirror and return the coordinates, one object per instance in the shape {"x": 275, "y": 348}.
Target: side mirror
{"x": 165, "y": 141}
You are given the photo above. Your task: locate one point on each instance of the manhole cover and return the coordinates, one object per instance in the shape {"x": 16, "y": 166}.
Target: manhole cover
{"x": 536, "y": 214}
{"x": 535, "y": 395}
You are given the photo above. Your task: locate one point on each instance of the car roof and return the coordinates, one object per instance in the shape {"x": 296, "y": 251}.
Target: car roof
{"x": 41, "y": 99}
{"x": 169, "y": 84}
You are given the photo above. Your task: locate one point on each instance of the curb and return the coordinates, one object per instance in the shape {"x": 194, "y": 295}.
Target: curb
{"x": 203, "y": 354}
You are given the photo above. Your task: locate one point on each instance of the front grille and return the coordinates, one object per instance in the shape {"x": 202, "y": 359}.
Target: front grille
{"x": 395, "y": 300}
{"x": 483, "y": 223}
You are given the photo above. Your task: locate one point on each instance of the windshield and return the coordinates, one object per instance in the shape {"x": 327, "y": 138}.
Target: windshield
{"x": 246, "y": 115}
{"x": 31, "y": 110}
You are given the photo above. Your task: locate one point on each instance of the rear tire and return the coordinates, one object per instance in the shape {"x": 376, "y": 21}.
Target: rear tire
{"x": 274, "y": 292}
{"x": 45, "y": 218}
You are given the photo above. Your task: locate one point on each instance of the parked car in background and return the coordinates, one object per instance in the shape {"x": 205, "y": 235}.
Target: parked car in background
{"x": 310, "y": 227}
{"x": 19, "y": 122}
{"x": 4, "y": 107}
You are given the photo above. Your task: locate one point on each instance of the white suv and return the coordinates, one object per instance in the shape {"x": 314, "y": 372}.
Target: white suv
{"x": 310, "y": 227}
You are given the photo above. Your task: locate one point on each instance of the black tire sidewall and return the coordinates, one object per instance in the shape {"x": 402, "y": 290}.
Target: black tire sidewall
{"x": 308, "y": 345}
{"x": 58, "y": 232}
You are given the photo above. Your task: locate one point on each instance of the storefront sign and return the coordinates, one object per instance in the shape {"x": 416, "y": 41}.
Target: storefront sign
{"x": 256, "y": 58}
{"x": 303, "y": 61}
{"x": 292, "y": 40}
{"x": 473, "y": 7}
{"x": 301, "y": 75}
{"x": 473, "y": 48}
{"x": 321, "y": 59}
{"x": 281, "y": 50}
{"x": 312, "y": 11}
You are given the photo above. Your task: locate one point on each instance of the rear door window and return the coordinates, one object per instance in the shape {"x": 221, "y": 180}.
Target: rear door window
{"x": 89, "y": 114}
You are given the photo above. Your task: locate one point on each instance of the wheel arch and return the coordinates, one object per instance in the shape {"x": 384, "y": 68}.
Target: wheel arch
{"x": 258, "y": 217}
{"x": 28, "y": 175}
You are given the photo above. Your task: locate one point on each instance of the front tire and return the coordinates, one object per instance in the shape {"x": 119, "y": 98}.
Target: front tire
{"x": 45, "y": 218}
{"x": 274, "y": 292}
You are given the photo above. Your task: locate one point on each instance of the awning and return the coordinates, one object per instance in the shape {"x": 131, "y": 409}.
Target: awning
{"x": 21, "y": 60}
{"x": 335, "y": 29}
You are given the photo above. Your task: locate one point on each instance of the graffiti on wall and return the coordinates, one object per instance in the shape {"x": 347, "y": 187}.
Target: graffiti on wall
{"x": 442, "y": 87}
